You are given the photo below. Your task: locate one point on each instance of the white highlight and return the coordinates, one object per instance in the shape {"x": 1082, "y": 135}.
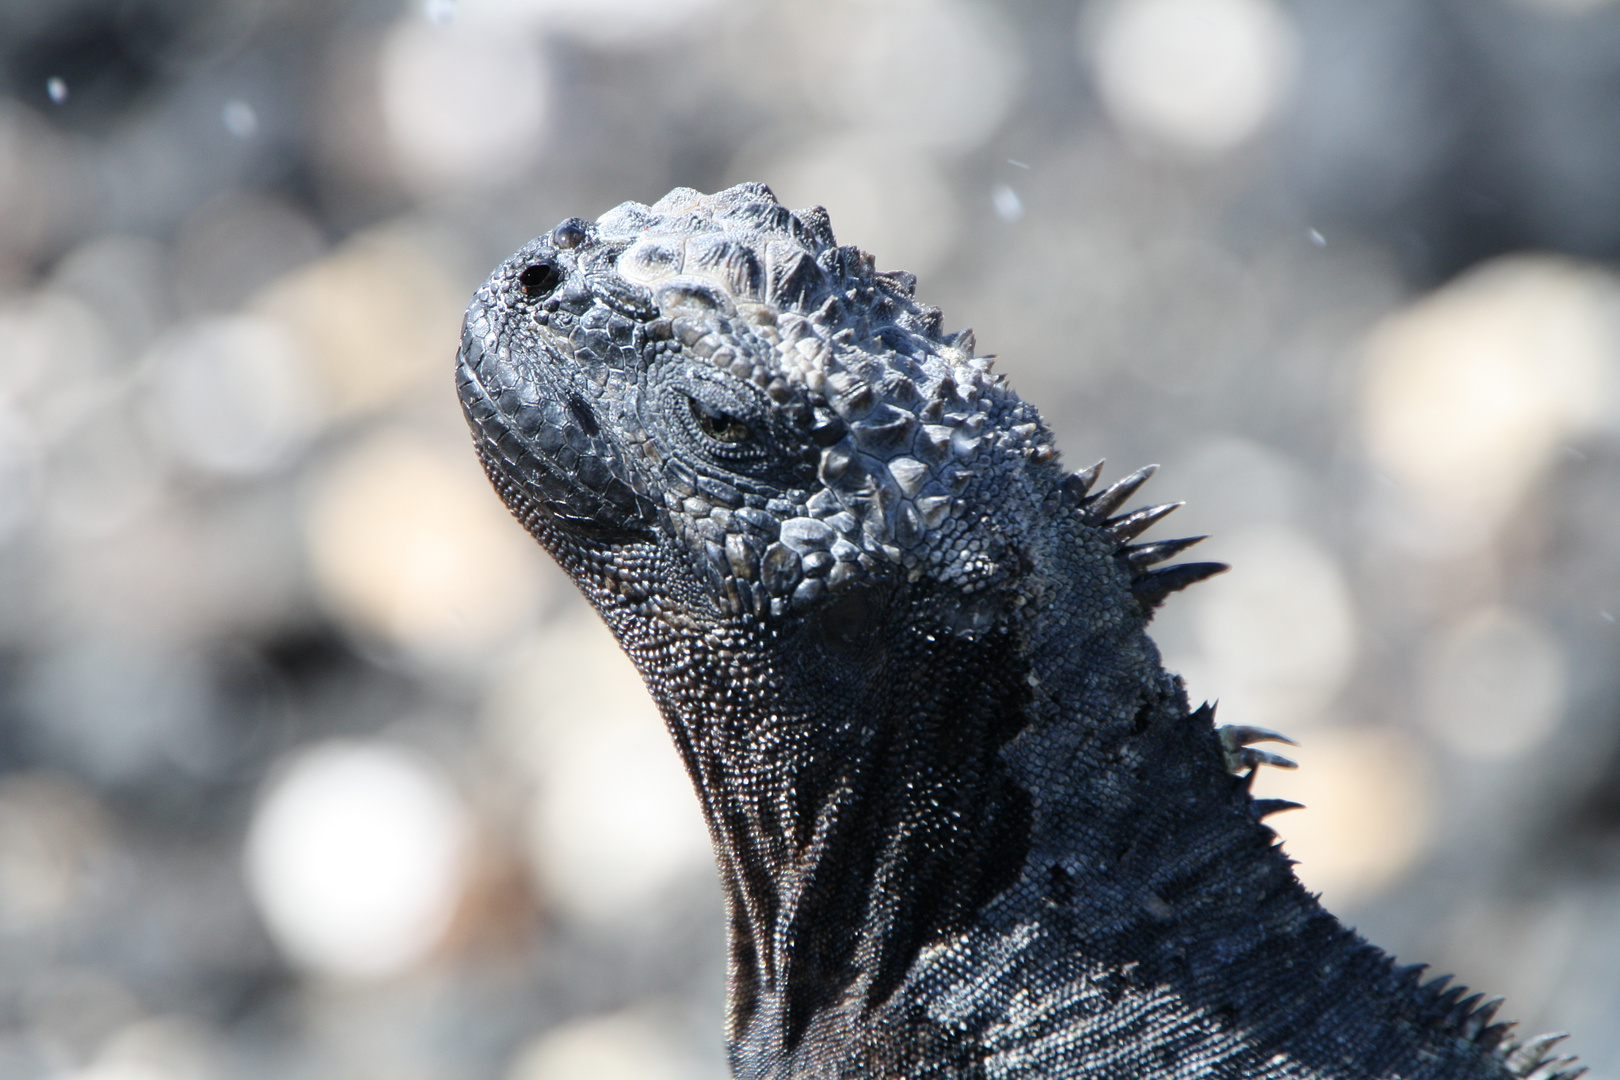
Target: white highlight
{"x": 356, "y": 858}
{"x": 240, "y": 119}
{"x": 1009, "y": 207}
{"x": 1200, "y": 76}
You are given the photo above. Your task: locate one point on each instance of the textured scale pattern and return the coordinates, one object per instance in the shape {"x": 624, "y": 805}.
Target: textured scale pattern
{"x": 966, "y": 823}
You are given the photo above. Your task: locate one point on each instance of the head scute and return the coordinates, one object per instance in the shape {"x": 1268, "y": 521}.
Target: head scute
{"x": 904, "y": 421}
{"x": 804, "y": 423}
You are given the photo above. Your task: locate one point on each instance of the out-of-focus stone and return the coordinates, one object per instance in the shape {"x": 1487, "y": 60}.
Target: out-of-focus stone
{"x": 1367, "y": 795}
{"x": 407, "y": 547}
{"x": 378, "y": 319}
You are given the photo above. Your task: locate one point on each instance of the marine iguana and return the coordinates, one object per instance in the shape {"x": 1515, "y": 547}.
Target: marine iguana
{"x": 966, "y": 823}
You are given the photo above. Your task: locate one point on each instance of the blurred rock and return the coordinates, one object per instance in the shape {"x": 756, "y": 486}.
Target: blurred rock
{"x": 1345, "y": 270}
{"x": 406, "y": 549}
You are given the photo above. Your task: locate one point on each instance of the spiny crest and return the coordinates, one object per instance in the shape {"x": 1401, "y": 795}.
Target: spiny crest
{"x": 757, "y": 251}
{"x": 914, "y": 435}
{"x": 1473, "y": 1018}
{"x": 1150, "y": 587}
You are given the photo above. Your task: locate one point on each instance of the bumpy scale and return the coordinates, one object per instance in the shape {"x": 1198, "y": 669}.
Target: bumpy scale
{"x": 966, "y": 824}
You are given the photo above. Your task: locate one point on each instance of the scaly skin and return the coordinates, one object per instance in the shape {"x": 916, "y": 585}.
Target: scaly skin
{"x": 965, "y": 822}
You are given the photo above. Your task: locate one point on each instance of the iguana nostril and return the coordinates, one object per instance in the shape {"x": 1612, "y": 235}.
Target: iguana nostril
{"x": 539, "y": 279}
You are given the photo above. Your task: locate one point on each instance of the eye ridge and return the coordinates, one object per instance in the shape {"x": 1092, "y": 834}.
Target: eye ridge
{"x": 719, "y": 426}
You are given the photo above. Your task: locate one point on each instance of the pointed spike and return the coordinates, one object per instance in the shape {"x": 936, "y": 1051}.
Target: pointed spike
{"x": 1236, "y": 735}
{"x": 1247, "y": 759}
{"x": 1480, "y": 1019}
{"x": 1554, "y": 1069}
{"x": 1410, "y": 974}
{"x": 1141, "y": 556}
{"x": 1449, "y": 999}
{"x": 1533, "y": 1052}
{"x": 1465, "y": 1008}
{"x": 1204, "y": 712}
{"x": 1101, "y": 506}
{"x": 1438, "y": 983}
{"x": 1551, "y": 1069}
{"x": 1151, "y": 588}
{"x": 1140, "y": 521}
{"x": 1264, "y": 808}
{"x": 1077, "y": 484}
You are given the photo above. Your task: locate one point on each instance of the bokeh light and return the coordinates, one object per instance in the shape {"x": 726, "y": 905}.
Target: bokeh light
{"x": 1496, "y": 684}
{"x": 1199, "y": 76}
{"x": 613, "y": 24}
{"x": 230, "y": 394}
{"x": 160, "y": 1048}
{"x": 53, "y": 843}
{"x": 946, "y": 72}
{"x": 1368, "y": 812}
{"x": 1276, "y": 636}
{"x": 617, "y": 1047}
{"x": 376, "y": 319}
{"x": 465, "y": 104}
{"x": 1469, "y": 393}
{"x": 612, "y": 822}
{"x": 356, "y": 858}
{"x": 406, "y": 547}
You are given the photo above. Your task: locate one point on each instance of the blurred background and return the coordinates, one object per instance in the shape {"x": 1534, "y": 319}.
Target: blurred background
{"x": 312, "y": 766}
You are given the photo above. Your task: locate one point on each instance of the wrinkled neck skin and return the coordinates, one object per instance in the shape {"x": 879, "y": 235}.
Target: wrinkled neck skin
{"x": 894, "y": 805}
{"x": 944, "y": 847}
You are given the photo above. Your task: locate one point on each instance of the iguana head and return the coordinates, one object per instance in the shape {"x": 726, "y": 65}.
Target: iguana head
{"x": 715, "y": 377}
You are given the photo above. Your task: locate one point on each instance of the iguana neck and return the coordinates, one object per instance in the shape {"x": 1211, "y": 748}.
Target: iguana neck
{"x": 855, "y": 828}
{"x": 850, "y": 829}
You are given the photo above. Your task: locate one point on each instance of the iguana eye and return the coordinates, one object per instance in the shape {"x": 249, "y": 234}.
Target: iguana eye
{"x": 720, "y": 426}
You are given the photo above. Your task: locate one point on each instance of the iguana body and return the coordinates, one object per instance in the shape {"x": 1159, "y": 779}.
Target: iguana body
{"x": 965, "y": 821}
